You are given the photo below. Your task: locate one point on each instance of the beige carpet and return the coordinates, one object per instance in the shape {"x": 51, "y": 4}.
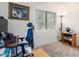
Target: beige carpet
{"x": 57, "y": 49}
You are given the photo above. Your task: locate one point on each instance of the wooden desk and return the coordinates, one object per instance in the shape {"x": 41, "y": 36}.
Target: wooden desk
{"x": 73, "y": 37}
{"x": 12, "y": 45}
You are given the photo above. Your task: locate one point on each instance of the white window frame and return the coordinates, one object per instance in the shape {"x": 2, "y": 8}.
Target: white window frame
{"x": 46, "y": 24}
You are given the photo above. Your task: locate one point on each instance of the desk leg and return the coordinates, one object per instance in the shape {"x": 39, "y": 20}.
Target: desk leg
{"x": 62, "y": 37}
{"x": 16, "y": 51}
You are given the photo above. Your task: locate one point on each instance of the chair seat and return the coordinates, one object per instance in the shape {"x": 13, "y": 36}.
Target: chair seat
{"x": 23, "y": 42}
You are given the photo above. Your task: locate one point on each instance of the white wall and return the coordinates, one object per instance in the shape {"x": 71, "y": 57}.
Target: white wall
{"x": 42, "y": 37}
{"x": 18, "y": 27}
{"x": 71, "y": 18}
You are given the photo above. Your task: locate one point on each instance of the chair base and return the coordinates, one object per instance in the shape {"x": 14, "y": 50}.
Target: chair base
{"x": 29, "y": 55}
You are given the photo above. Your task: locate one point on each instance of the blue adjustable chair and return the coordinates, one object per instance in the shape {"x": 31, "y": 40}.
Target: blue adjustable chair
{"x": 29, "y": 39}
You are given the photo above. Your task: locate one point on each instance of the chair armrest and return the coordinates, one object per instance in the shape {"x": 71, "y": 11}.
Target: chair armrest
{"x": 21, "y": 38}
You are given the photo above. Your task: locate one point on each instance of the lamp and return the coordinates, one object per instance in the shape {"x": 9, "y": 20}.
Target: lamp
{"x": 61, "y": 13}
{"x": 61, "y": 18}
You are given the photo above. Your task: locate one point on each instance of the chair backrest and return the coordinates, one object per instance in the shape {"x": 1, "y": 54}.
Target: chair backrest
{"x": 29, "y": 35}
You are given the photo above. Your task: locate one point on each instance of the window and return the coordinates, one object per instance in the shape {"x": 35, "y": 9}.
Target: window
{"x": 50, "y": 20}
{"x": 45, "y": 20}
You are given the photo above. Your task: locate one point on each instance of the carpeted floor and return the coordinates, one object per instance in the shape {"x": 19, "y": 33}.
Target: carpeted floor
{"x": 57, "y": 49}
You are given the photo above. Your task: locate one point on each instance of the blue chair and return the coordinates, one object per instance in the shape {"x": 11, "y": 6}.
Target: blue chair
{"x": 29, "y": 36}
{"x": 29, "y": 39}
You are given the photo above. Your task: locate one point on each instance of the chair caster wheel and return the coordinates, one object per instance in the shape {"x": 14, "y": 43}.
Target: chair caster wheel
{"x": 32, "y": 54}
